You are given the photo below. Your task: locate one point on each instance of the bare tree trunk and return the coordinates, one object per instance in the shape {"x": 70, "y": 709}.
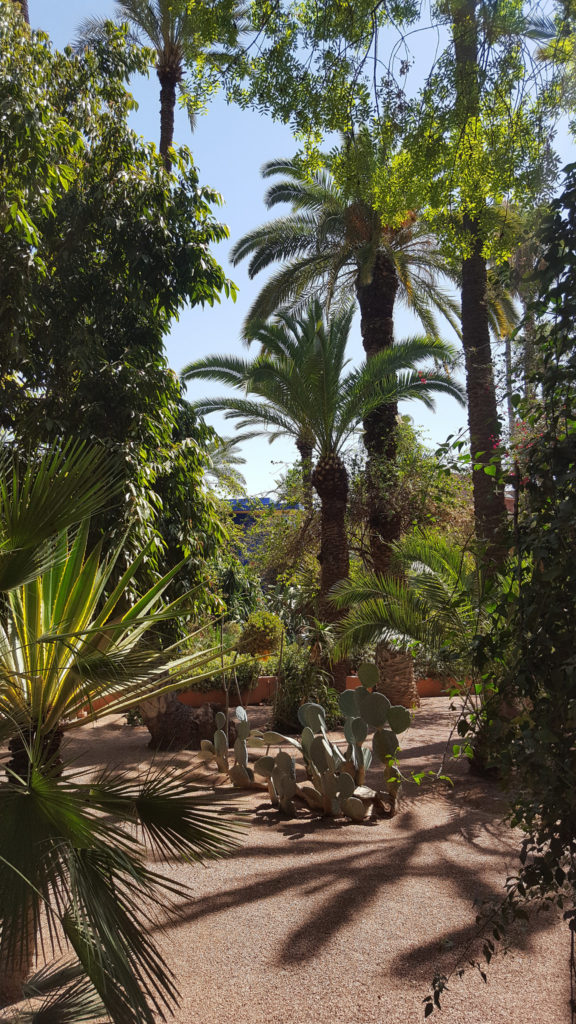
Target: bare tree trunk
{"x": 306, "y": 452}
{"x": 168, "y": 82}
{"x": 172, "y": 725}
{"x": 330, "y": 478}
{"x": 23, "y": 5}
{"x": 489, "y": 506}
{"x": 376, "y": 299}
{"x": 17, "y": 955}
{"x": 396, "y": 671}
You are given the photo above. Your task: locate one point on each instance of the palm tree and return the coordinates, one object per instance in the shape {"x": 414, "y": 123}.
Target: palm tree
{"x": 342, "y": 245}
{"x": 179, "y": 33}
{"x": 437, "y": 600}
{"x": 222, "y": 460}
{"x": 66, "y": 648}
{"x": 43, "y": 493}
{"x": 298, "y": 386}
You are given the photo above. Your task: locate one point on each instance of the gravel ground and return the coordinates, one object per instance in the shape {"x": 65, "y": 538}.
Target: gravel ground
{"x": 316, "y": 922}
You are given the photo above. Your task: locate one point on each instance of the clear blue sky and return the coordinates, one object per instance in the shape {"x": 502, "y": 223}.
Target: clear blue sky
{"x": 229, "y": 148}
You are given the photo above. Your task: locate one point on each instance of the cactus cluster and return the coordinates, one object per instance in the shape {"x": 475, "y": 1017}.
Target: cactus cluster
{"x": 336, "y": 778}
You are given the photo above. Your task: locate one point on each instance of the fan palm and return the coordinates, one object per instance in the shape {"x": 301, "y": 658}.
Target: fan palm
{"x": 299, "y": 386}
{"x": 68, "y": 855}
{"x": 43, "y": 493}
{"x": 179, "y": 33}
{"x": 340, "y": 243}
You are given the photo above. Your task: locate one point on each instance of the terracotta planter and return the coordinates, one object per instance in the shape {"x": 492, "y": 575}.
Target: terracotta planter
{"x": 352, "y": 682}
{"x": 263, "y": 691}
{"x": 432, "y": 686}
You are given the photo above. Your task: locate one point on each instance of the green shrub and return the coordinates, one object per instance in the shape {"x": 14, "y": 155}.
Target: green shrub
{"x": 261, "y": 634}
{"x": 247, "y": 672}
{"x": 301, "y": 681}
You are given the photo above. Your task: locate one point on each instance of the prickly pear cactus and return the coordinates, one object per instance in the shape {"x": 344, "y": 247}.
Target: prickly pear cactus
{"x": 335, "y": 779}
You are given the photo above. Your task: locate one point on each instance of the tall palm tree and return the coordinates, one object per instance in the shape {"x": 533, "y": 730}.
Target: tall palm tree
{"x": 299, "y": 386}
{"x": 341, "y": 244}
{"x": 178, "y": 32}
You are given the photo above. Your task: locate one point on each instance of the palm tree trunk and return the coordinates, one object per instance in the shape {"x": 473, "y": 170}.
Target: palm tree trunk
{"x": 23, "y": 5}
{"x": 168, "y": 82}
{"x": 330, "y": 478}
{"x": 17, "y": 955}
{"x": 172, "y": 725}
{"x": 396, "y": 671}
{"x": 376, "y": 300}
{"x": 489, "y": 507}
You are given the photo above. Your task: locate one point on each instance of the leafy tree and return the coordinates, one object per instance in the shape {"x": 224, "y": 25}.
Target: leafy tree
{"x": 302, "y": 390}
{"x": 425, "y": 494}
{"x": 482, "y": 140}
{"x": 99, "y": 250}
{"x": 203, "y": 36}
{"x": 336, "y": 239}
{"x": 474, "y": 136}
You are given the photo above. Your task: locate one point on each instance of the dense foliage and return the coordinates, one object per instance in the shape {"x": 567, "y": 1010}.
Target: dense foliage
{"x": 528, "y": 654}
{"x": 99, "y": 250}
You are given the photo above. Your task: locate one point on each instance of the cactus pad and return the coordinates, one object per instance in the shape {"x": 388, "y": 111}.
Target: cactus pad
{"x": 359, "y": 730}
{"x": 243, "y": 728}
{"x": 321, "y": 754}
{"x": 220, "y": 720}
{"x": 354, "y": 808}
{"x": 264, "y": 766}
{"x": 368, "y": 674}
{"x": 312, "y": 715}
{"x": 347, "y": 703}
{"x": 220, "y": 743}
{"x": 399, "y": 718}
{"x": 384, "y": 744}
{"x": 241, "y": 752}
{"x": 374, "y": 709}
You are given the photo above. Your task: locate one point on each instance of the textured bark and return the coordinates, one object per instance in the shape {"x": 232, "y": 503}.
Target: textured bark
{"x": 397, "y": 677}
{"x": 23, "y": 5}
{"x": 489, "y": 506}
{"x": 168, "y": 81}
{"x": 17, "y": 956}
{"x": 172, "y": 725}
{"x": 376, "y": 300}
{"x": 330, "y": 478}
{"x": 49, "y": 756}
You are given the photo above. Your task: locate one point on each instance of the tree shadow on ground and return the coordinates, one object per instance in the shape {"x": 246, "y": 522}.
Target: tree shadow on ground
{"x": 353, "y": 879}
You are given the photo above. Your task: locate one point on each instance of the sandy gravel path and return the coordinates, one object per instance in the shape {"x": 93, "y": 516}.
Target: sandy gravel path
{"x": 313, "y": 922}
